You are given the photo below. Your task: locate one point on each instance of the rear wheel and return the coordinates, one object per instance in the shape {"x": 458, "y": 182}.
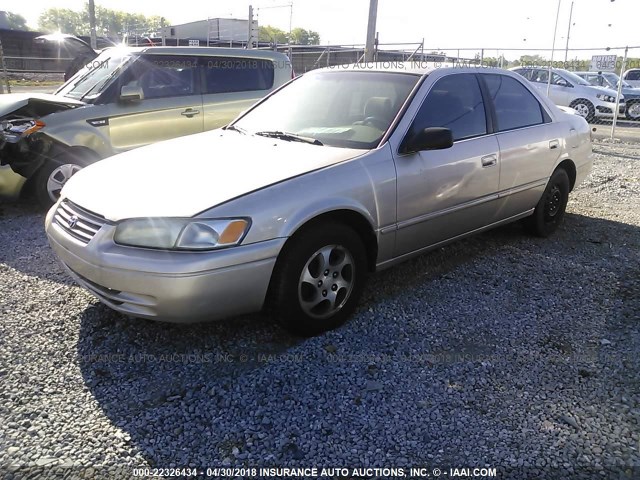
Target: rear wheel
{"x": 318, "y": 279}
{"x": 549, "y": 212}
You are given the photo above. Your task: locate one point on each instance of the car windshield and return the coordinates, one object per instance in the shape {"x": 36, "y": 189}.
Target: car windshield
{"x": 573, "y": 78}
{"x": 96, "y": 75}
{"x": 349, "y": 109}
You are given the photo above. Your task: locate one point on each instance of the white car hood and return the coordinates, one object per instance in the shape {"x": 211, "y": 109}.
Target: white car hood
{"x": 187, "y": 175}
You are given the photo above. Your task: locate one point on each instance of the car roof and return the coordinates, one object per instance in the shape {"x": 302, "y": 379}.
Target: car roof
{"x": 213, "y": 51}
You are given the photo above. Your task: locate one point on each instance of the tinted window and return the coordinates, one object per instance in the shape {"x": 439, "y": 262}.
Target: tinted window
{"x": 163, "y": 76}
{"x": 228, "y": 74}
{"x": 454, "y": 102}
{"x": 515, "y": 106}
{"x": 633, "y": 75}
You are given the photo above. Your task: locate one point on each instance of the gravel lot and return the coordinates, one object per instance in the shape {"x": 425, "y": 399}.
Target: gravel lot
{"x": 501, "y": 350}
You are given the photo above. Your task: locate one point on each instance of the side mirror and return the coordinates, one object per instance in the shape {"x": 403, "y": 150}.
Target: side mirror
{"x": 432, "y": 138}
{"x": 130, "y": 93}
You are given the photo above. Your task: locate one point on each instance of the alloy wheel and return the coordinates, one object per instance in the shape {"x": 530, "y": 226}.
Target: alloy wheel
{"x": 59, "y": 177}
{"x": 326, "y": 281}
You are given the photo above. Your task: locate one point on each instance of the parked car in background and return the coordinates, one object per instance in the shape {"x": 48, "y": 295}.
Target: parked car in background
{"x": 632, "y": 77}
{"x": 339, "y": 173}
{"x": 569, "y": 90}
{"x": 124, "y": 99}
{"x": 610, "y": 80}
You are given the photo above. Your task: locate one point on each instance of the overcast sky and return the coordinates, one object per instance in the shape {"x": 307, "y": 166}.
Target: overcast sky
{"x": 445, "y": 24}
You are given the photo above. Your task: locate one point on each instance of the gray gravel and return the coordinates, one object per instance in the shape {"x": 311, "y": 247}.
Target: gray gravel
{"x": 500, "y": 350}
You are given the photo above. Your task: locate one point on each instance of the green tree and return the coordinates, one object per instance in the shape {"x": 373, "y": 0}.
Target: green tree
{"x": 16, "y": 22}
{"x": 300, "y": 36}
{"x": 271, "y": 34}
{"x": 113, "y": 23}
{"x": 63, "y": 20}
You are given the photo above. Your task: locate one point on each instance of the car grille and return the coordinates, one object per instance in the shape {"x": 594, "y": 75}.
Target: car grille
{"x": 77, "y": 222}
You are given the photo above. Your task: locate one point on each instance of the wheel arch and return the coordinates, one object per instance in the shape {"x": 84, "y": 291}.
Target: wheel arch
{"x": 352, "y": 219}
{"x": 568, "y": 166}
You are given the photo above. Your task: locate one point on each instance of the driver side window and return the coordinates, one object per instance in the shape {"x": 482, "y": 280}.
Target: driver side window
{"x": 454, "y": 102}
{"x": 164, "y": 76}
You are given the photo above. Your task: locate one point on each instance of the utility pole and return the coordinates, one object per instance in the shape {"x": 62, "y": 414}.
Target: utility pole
{"x": 371, "y": 31}
{"x": 566, "y": 48}
{"x": 250, "y": 38}
{"x": 92, "y": 24}
{"x": 553, "y": 47}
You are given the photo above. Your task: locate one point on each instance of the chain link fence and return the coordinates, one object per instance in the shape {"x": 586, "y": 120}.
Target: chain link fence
{"x": 587, "y": 80}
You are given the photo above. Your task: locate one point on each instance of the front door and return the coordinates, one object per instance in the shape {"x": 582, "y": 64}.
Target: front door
{"x": 171, "y": 107}
{"x": 445, "y": 193}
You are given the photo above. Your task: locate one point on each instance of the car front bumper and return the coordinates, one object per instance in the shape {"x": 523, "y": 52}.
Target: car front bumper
{"x": 178, "y": 287}
{"x": 606, "y": 109}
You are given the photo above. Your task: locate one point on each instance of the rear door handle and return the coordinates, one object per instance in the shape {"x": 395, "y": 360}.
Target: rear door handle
{"x": 190, "y": 112}
{"x": 489, "y": 160}
{"x": 553, "y": 144}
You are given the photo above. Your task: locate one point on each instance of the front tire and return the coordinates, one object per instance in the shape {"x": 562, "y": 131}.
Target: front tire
{"x": 52, "y": 176}
{"x": 318, "y": 279}
{"x": 550, "y": 210}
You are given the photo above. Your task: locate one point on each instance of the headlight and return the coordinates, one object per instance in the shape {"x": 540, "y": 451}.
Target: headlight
{"x": 181, "y": 233}
{"x": 606, "y": 98}
{"x": 12, "y": 131}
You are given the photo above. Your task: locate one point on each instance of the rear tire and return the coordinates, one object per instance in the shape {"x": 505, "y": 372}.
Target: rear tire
{"x": 318, "y": 279}
{"x": 550, "y": 210}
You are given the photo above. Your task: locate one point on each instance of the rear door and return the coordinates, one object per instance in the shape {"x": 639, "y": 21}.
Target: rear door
{"x": 171, "y": 107}
{"x": 528, "y": 140}
{"x": 231, "y": 85}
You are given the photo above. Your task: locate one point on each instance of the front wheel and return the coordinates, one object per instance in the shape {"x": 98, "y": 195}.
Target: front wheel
{"x": 51, "y": 177}
{"x": 318, "y": 279}
{"x": 549, "y": 212}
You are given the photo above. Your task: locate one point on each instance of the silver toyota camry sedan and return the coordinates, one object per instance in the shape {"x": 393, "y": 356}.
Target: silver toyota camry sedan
{"x": 339, "y": 173}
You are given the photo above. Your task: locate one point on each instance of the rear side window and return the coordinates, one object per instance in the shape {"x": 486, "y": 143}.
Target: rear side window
{"x": 231, "y": 74}
{"x": 454, "y": 102}
{"x": 632, "y": 75}
{"x": 515, "y": 105}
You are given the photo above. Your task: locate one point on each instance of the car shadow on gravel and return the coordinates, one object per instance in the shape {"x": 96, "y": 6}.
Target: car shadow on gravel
{"x": 195, "y": 393}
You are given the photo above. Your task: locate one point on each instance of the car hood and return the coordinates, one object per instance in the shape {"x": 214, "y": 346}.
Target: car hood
{"x": 40, "y": 104}
{"x": 596, "y": 90}
{"x": 187, "y": 175}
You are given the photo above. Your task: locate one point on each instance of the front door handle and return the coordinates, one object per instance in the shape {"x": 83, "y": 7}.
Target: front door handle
{"x": 489, "y": 160}
{"x": 190, "y": 112}
{"x": 553, "y": 144}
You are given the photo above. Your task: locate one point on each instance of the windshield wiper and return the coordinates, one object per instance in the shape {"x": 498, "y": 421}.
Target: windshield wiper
{"x": 235, "y": 129}
{"x": 291, "y": 137}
